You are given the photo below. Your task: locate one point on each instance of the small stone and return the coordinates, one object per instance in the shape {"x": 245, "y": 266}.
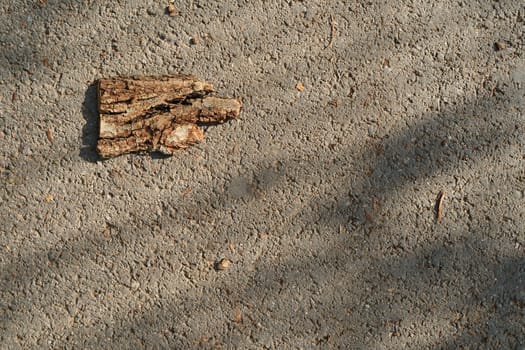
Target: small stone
{"x": 237, "y": 316}
{"x": 299, "y": 86}
{"x": 172, "y": 10}
{"x": 135, "y": 285}
{"x": 518, "y": 194}
{"x": 194, "y": 41}
{"x": 222, "y": 265}
{"x": 51, "y": 256}
{"x": 500, "y": 45}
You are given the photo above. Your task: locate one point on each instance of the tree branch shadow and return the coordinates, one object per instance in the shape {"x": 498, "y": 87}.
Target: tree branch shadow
{"x": 381, "y": 292}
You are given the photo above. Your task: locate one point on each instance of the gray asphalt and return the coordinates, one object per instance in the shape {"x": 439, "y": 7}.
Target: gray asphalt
{"x": 322, "y": 200}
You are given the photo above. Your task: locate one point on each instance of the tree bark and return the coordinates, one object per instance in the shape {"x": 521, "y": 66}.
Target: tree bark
{"x": 147, "y": 113}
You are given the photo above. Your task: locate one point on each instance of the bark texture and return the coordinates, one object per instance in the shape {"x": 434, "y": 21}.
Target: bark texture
{"x": 147, "y": 113}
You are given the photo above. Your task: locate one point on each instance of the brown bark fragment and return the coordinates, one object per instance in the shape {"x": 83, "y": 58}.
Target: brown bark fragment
{"x": 146, "y": 113}
{"x": 50, "y": 136}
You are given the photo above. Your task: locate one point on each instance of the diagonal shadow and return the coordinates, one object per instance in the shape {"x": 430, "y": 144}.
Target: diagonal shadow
{"x": 427, "y": 156}
{"x": 456, "y": 285}
{"x": 280, "y": 277}
{"x": 453, "y": 140}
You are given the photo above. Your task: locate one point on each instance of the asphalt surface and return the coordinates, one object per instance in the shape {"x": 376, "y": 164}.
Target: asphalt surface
{"x": 323, "y": 201}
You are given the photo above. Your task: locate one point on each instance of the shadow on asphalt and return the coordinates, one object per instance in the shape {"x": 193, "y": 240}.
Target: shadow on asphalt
{"x": 452, "y": 283}
{"x": 88, "y": 152}
{"x": 25, "y": 55}
{"x": 467, "y": 288}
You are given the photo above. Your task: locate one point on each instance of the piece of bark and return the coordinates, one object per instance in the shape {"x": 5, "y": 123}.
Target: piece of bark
{"x": 147, "y": 113}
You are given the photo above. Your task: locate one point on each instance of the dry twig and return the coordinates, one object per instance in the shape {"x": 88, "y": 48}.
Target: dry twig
{"x": 439, "y": 206}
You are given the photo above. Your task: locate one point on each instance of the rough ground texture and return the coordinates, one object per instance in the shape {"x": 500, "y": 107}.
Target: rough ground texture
{"x": 322, "y": 199}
